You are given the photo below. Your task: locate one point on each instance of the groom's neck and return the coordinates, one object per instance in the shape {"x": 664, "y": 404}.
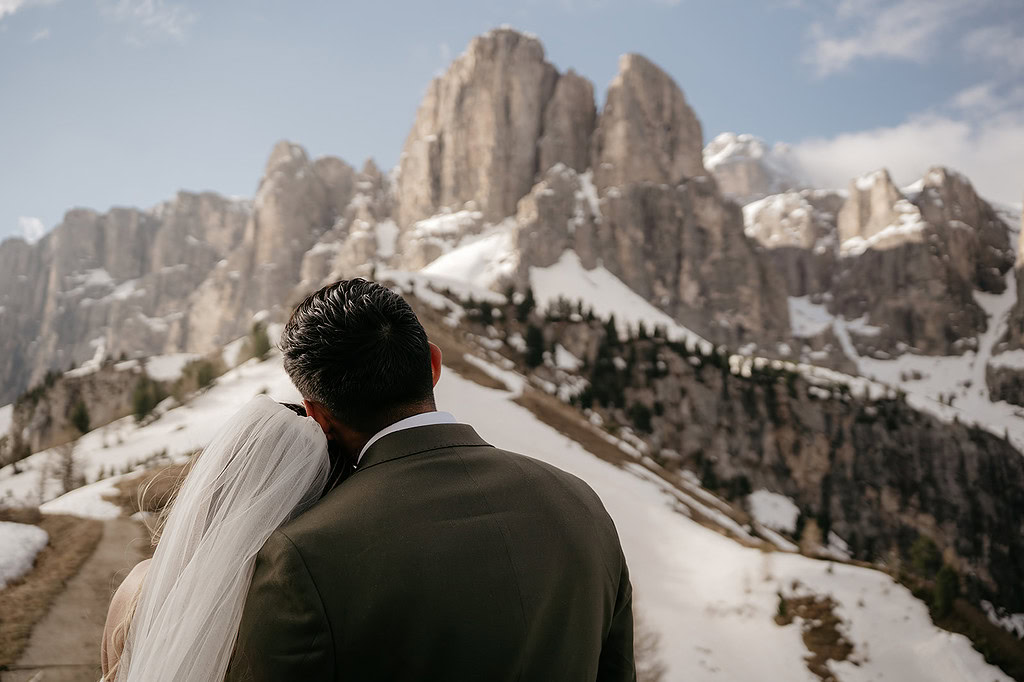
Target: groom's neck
{"x": 352, "y": 442}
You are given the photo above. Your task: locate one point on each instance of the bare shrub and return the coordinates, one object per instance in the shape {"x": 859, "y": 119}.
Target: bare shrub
{"x": 646, "y": 646}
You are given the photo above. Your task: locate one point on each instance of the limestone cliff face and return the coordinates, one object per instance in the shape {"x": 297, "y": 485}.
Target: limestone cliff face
{"x": 107, "y": 283}
{"x": 1005, "y": 373}
{"x": 297, "y": 201}
{"x": 188, "y": 274}
{"x": 646, "y": 132}
{"x": 877, "y": 215}
{"x": 683, "y": 248}
{"x": 362, "y": 238}
{"x": 44, "y": 420}
{"x": 561, "y": 213}
{"x": 797, "y": 234}
{"x": 476, "y": 132}
{"x": 905, "y": 262}
{"x": 569, "y": 120}
{"x": 1015, "y": 325}
{"x": 920, "y": 270}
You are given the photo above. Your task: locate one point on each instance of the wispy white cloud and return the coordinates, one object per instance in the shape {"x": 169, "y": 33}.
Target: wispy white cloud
{"x": 988, "y": 99}
{"x": 871, "y": 29}
{"x": 149, "y": 20}
{"x": 32, "y": 229}
{"x": 41, "y": 34}
{"x": 1002, "y": 46}
{"x": 8, "y": 7}
{"x": 986, "y": 149}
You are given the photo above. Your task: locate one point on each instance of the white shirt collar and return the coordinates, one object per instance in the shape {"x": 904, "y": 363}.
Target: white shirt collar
{"x": 423, "y": 419}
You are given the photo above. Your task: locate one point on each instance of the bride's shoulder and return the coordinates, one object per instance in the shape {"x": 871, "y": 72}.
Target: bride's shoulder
{"x": 125, "y": 593}
{"x": 119, "y": 612}
{"x": 133, "y": 581}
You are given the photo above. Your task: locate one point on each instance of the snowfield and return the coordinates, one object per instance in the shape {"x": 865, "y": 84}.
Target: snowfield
{"x": 20, "y": 544}
{"x": 773, "y": 510}
{"x": 88, "y": 501}
{"x": 607, "y": 295}
{"x": 928, "y": 379}
{"x": 711, "y": 599}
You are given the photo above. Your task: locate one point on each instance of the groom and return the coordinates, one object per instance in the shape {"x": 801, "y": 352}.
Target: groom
{"x": 440, "y": 557}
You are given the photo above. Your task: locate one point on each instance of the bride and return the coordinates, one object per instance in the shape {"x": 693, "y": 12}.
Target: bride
{"x": 176, "y": 616}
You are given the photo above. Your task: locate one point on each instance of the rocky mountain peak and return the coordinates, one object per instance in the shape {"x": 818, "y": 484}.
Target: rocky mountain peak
{"x": 370, "y": 170}
{"x": 476, "y": 131}
{"x": 877, "y": 215}
{"x": 285, "y": 153}
{"x": 646, "y": 132}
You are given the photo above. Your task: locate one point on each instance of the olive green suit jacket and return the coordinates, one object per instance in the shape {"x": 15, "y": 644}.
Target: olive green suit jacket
{"x": 442, "y": 558}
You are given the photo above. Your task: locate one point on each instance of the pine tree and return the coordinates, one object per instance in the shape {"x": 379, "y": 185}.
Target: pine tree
{"x": 259, "y": 342}
{"x": 947, "y": 588}
{"x": 925, "y": 557}
{"x": 534, "y": 346}
{"x": 80, "y": 416}
{"x": 526, "y": 306}
{"x": 611, "y": 332}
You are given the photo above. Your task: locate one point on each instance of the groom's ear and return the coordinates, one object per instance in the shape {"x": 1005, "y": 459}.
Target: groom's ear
{"x": 435, "y": 362}
{"x": 320, "y": 416}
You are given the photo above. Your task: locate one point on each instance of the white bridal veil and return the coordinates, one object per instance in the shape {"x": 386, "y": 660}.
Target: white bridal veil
{"x": 264, "y": 466}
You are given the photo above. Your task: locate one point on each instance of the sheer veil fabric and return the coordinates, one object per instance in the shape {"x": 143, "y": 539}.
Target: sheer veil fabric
{"x": 265, "y": 466}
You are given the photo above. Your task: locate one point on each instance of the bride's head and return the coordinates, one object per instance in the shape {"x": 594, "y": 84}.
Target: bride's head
{"x": 361, "y": 360}
{"x": 265, "y": 465}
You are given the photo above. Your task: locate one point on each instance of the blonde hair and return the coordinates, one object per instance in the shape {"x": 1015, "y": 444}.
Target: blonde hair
{"x": 155, "y": 526}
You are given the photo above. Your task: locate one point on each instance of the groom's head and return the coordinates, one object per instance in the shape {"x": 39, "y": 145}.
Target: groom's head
{"x": 360, "y": 358}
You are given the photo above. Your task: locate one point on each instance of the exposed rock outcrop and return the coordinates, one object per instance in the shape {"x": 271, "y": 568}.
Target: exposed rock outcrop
{"x": 683, "y": 248}
{"x": 560, "y": 213}
{"x": 646, "y": 132}
{"x": 476, "y": 131}
{"x": 107, "y": 283}
{"x": 297, "y": 201}
{"x": 45, "y": 418}
{"x": 1014, "y": 338}
{"x": 904, "y": 262}
{"x": 797, "y": 231}
{"x": 877, "y": 215}
{"x": 362, "y": 238}
{"x": 568, "y": 124}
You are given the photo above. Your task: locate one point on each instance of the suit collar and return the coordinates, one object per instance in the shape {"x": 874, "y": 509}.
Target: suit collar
{"x": 419, "y": 439}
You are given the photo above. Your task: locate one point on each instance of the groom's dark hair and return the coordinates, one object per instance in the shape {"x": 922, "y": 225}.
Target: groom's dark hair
{"x": 357, "y": 348}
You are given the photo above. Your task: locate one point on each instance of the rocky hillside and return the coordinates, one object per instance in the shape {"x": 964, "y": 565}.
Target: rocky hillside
{"x": 872, "y": 473}
{"x": 906, "y": 263}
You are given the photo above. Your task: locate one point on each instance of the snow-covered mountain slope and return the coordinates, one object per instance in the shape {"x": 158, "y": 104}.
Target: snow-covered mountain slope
{"x": 708, "y": 596}
{"x": 124, "y": 445}
{"x": 711, "y": 600}
{"x": 950, "y": 387}
{"x": 928, "y": 380}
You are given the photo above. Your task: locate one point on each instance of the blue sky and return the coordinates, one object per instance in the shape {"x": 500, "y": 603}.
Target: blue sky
{"x": 123, "y": 102}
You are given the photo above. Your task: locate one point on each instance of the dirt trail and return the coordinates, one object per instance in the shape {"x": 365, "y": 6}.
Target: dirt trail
{"x": 65, "y": 644}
